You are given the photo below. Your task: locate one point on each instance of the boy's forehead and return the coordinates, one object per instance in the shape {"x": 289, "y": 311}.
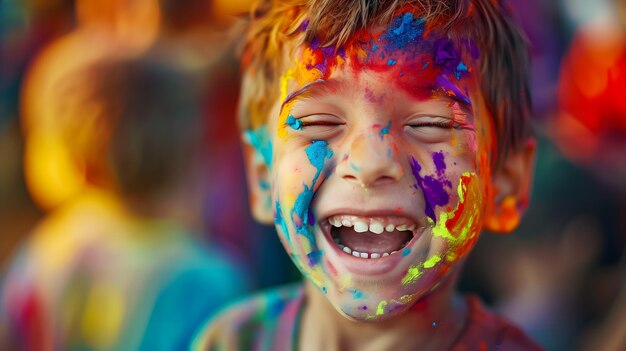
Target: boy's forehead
{"x": 410, "y": 53}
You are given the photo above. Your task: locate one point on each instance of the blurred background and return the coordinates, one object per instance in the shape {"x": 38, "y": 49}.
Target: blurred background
{"x": 561, "y": 275}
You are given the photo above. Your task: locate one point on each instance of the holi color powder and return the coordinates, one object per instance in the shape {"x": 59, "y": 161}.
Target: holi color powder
{"x": 259, "y": 139}
{"x": 384, "y": 131}
{"x": 509, "y": 216}
{"x": 380, "y": 309}
{"x": 433, "y": 188}
{"x": 432, "y": 261}
{"x": 317, "y": 153}
{"x": 294, "y": 123}
{"x": 314, "y": 257}
{"x": 404, "y": 30}
{"x": 459, "y": 226}
{"x": 278, "y": 219}
{"x": 411, "y": 275}
{"x": 357, "y": 294}
{"x": 440, "y": 163}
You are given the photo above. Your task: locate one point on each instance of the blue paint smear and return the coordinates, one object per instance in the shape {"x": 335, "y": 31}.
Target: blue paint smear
{"x": 318, "y": 152}
{"x": 315, "y": 257}
{"x": 404, "y": 30}
{"x": 357, "y": 294}
{"x": 294, "y": 123}
{"x": 261, "y": 142}
{"x": 278, "y": 219}
{"x": 391, "y": 62}
{"x": 406, "y": 251}
{"x": 301, "y": 210}
{"x": 384, "y": 131}
{"x": 374, "y": 47}
{"x": 460, "y": 69}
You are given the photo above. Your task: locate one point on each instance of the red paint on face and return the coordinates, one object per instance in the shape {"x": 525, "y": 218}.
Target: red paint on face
{"x": 331, "y": 269}
{"x": 452, "y": 222}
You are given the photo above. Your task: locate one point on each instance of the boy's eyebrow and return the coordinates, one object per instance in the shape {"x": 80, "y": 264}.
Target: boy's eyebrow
{"x": 304, "y": 90}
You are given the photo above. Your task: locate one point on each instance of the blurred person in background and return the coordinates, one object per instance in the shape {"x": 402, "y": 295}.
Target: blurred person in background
{"x": 590, "y": 129}
{"x": 192, "y": 34}
{"x": 115, "y": 266}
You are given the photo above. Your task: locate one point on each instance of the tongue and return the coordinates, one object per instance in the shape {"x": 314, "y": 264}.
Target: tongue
{"x": 373, "y": 243}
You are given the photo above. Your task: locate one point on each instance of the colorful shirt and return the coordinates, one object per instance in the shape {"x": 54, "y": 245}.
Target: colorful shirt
{"x": 91, "y": 277}
{"x": 271, "y": 322}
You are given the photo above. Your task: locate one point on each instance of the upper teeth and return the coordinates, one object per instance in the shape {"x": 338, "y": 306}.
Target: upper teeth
{"x": 374, "y": 225}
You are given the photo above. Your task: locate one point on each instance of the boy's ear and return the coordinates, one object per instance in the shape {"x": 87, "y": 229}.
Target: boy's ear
{"x": 260, "y": 196}
{"x": 512, "y": 183}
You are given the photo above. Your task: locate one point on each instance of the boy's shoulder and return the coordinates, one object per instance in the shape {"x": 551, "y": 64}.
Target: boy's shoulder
{"x": 265, "y": 321}
{"x": 486, "y": 330}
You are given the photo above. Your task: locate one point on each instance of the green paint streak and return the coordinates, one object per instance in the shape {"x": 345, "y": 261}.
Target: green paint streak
{"x": 411, "y": 275}
{"x": 441, "y": 230}
{"x": 380, "y": 310}
{"x": 432, "y": 261}
{"x": 355, "y": 167}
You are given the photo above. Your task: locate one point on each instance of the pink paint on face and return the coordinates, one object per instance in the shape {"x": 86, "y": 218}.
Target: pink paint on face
{"x": 420, "y": 87}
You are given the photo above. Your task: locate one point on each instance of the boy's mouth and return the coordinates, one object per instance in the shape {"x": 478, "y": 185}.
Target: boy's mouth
{"x": 371, "y": 237}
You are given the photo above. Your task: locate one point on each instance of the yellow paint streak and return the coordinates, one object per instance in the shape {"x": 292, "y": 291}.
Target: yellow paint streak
{"x": 432, "y": 261}
{"x": 465, "y": 223}
{"x": 380, "y": 310}
{"x": 411, "y": 275}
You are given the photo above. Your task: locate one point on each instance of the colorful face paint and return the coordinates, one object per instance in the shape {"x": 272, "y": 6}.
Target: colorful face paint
{"x": 379, "y": 227}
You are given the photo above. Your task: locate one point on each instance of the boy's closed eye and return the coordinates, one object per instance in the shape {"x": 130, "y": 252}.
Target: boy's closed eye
{"x": 316, "y": 125}
{"x": 433, "y": 128}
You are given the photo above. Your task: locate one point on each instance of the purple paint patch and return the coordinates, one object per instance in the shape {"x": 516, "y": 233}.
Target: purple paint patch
{"x": 434, "y": 190}
{"x": 445, "y": 55}
{"x": 304, "y": 25}
{"x": 448, "y": 59}
{"x": 450, "y": 87}
{"x": 440, "y": 163}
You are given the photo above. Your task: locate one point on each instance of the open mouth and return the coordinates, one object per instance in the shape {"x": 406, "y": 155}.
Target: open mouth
{"x": 371, "y": 237}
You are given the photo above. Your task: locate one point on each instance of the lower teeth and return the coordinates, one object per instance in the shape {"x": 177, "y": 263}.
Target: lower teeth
{"x": 354, "y": 253}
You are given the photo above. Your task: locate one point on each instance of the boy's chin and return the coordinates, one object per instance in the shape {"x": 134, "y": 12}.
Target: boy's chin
{"x": 356, "y": 313}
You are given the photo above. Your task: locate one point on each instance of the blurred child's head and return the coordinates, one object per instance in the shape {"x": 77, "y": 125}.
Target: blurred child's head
{"x": 133, "y": 125}
{"x": 383, "y": 136}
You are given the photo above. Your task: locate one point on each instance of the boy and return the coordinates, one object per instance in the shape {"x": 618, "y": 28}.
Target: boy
{"x": 381, "y": 137}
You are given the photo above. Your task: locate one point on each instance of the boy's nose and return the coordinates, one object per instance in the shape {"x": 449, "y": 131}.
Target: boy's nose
{"x": 371, "y": 161}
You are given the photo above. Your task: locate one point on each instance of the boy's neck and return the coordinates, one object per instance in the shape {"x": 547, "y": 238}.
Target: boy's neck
{"x": 433, "y": 323}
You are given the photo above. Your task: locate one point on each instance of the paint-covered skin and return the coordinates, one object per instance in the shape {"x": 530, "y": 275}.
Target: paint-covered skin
{"x": 383, "y": 130}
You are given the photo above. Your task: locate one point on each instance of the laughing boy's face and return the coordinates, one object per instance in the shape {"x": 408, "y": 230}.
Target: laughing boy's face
{"x": 379, "y": 164}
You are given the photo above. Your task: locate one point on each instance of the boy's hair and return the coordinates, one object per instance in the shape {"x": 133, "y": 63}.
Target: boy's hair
{"x": 133, "y": 121}
{"x": 277, "y": 25}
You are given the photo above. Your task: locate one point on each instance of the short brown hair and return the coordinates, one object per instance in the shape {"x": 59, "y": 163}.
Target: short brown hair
{"x": 278, "y": 24}
{"x": 135, "y": 120}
